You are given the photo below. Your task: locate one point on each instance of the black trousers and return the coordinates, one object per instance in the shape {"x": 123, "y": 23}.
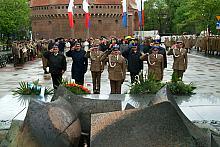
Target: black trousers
{"x": 57, "y": 79}
{"x": 79, "y": 81}
{"x": 133, "y": 75}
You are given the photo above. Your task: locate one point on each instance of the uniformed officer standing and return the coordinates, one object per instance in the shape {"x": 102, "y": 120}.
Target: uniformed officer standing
{"x": 155, "y": 63}
{"x": 116, "y": 68}
{"x": 180, "y": 59}
{"x": 135, "y": 64}
{"x": 44, "y": 60}
{"x": 96, "y": 66}
{"x": 79, "y": 64}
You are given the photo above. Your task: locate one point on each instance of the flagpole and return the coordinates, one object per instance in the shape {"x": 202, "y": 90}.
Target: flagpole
{"x": 142, "y": 27}
{"x": 127, "y": 16}
{"x": 72, "y": 33}
{"x": 88, "y": 33}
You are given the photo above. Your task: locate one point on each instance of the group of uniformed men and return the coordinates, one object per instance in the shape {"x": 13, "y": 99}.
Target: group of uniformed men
{"x": 120, "y": 56}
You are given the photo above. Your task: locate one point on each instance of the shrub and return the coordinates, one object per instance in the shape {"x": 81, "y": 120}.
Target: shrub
{"x": 144, "y": 85}
{"x": 151, "y": 86}
{"x": 178, "y": 87}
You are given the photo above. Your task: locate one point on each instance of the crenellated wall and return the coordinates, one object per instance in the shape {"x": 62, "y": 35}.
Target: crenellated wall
{"x": 50, "y": 19}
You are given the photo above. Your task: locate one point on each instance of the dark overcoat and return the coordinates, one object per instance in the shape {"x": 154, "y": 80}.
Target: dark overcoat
{"x": 79, "y": 65}
{"x": 135, "y": 64}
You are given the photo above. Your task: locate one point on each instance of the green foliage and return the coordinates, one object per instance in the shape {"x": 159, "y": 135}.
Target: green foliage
{"x": 143, "y": 85}
{"x": 180, "y": 16}
{"x": 180, "y": 88}
{"x": 175, "y": 77}
{"x": 15, "y": 18}
{"x": 26, "y": 89}
{"x": 151, "y": 86}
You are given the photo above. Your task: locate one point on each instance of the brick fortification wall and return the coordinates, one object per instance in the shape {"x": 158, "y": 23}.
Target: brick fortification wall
{"x": 50, "y": 19}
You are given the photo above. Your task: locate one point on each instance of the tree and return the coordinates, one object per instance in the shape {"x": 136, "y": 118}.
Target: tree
{"x": 14, "y": 16}
{"x": 159, "y": 15}
{"x": 155, "y": 10}
{"x": 195, "y": 15}
{"x": 180, "y": 16}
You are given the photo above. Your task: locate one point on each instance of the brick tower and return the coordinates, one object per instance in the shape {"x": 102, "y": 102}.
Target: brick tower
{"x": 50, "y": 19}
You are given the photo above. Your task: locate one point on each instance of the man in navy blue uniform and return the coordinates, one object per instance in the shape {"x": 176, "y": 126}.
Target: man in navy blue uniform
{"x": 135, "y": 64}
{"x": 80, "y": 63}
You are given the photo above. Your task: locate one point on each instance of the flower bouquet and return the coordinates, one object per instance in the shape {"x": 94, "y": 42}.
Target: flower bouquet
{"x": 76, "y": 88}
{"x": 32, "y": 88}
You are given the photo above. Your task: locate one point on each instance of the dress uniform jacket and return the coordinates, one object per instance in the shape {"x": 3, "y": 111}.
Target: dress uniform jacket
{"x": 117, "y": 72}
{"x": 116, "y": 69}
{"x": 155, "y": 65}
{"x": 79, "y": 64}
{"x": 180, "y": 58}
{"x": 96, "y": 64}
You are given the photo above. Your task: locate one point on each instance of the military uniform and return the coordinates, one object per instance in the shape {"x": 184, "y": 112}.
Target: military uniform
{"x": 155, "y": 65}
{"x": 198, "y": 43}
{"x": 218, "y": 44}
{"x": 116, "y": 70}
{"x": 167, "y": 43}
{"x": 44, "y": 60}
{"x": 96, "y": 68}
{"x": 180, "y": 61}
{"x": 15, "y": 53}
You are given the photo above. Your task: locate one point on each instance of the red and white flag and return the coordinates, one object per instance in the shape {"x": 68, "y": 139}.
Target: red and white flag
{"x": 70, "y": 13}
{"x": 86, "y": 10}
